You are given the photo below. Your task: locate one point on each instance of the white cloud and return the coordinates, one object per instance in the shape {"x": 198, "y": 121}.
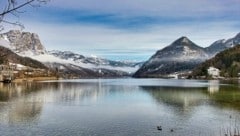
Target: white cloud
{"x": 86, "y": 37}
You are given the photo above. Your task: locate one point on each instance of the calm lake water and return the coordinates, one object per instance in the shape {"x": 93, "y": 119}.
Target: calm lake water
{"x": 120, "y": 107}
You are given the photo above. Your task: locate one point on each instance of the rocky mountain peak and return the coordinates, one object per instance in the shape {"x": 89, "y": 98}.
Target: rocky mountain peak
{"x": 23, "y": 43}
{"x": 182, "y": 41}
{"x": 181, "y": 55}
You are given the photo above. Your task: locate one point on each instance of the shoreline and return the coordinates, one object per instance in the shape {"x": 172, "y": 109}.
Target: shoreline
{"x": 34, "y": 79}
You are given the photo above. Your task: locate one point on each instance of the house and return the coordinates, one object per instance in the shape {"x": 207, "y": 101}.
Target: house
{"x": 214, "y": 72}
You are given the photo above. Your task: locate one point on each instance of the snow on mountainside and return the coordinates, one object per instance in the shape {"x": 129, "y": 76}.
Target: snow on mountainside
{"x": 95, "y": 62}
{"x": 181, "y": 50}
{"x": 23, "y": 43}
{"x": 28, "y": 44}
{"x": 223, "y": 44}
{"x": 181, "y": 55}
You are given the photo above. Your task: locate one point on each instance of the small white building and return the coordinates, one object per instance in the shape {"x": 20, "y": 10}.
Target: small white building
{"x": 214, "y": 72}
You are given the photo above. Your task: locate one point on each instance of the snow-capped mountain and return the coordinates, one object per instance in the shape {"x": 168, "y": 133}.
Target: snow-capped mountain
{"x": 180, "y": 50}
{"x": 28, "y": 44}
{"x": 222, "y": 44}
{"x": 181, "y": 55}
{"x": 94, "y": 63}
{"x": 92, "y": 60}
{"x": 23, "y": 43}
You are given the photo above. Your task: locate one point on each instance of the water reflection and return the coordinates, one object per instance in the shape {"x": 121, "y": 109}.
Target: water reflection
{"x": 214, "y": 86}
{"x": 182, "y": 100}
{"x": 23, "y": 102}
{"x": 222, "y": 94}
{"x": 228, "y": 96}
{"x": 118, "y": 105}
{"x": 16, "y": 106}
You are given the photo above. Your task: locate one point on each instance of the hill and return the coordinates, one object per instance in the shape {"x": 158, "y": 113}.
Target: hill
{"x": 227, "y": 61}
{"x": 6, "y": 56}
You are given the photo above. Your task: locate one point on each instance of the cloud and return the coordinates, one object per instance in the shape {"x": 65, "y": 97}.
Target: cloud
{"x": 142, "y": 26}
{"x": 89, "y": 39}
{"x": 153, "y": 7}
{"x": 136, "y": 15}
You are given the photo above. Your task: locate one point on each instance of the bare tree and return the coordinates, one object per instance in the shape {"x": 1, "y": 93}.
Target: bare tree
{"x": 14, "y": 8}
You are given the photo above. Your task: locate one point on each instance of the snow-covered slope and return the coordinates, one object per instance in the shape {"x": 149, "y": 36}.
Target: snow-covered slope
{"x": 94, "y": 62}
{"x": 222, "y": 44}
{"x": 28, "y": 44}
{"x": 181, "y": 55}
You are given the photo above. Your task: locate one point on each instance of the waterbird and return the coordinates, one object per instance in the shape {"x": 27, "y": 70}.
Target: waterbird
{"x": 159, "y": 128}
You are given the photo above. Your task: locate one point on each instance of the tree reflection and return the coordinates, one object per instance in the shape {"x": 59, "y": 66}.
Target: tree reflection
{"x": 228, "y": 96}
{"x": 181, "y": 99}
{"x": 16, "y": 103}
{"x": 217, "y": 94}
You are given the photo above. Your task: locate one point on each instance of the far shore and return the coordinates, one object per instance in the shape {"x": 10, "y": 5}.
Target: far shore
{"x": 35, "y": 79}
{"x": 32, "y": 79}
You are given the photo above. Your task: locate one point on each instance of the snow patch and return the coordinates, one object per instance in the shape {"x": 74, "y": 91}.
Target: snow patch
{"x": 48, "y": 58}
{"x": 4, "y": 41}
{"x": 185, "y": 40}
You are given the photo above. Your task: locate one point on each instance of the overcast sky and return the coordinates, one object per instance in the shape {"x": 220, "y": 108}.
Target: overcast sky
{"x": 130, "y": 29}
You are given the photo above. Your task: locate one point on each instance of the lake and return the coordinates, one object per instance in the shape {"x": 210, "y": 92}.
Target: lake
{"x": 120, "y": 107}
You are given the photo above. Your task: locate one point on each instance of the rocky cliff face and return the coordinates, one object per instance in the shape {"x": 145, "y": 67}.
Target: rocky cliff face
{"x": 24, "y": 43}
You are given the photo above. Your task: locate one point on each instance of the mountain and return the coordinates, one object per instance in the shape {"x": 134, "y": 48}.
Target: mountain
{"x": 68, "y": 70}
{"x": 75, "y": 65}
{"x": 6, "y": 56}
{"x": 95, "y": 62}
{"x": 227, "y": 61}
{"x": 93, "y": 66}
{"x": 24, "y": 43}
{"x": 181, "y": 55}
{"x": 222, "y": 45}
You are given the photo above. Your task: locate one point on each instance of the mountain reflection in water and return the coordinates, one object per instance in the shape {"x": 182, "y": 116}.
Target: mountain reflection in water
{"x": 118, "y": 107}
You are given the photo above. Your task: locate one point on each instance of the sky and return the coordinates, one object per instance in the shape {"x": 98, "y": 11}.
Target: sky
{"x": 130, "y": 29}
